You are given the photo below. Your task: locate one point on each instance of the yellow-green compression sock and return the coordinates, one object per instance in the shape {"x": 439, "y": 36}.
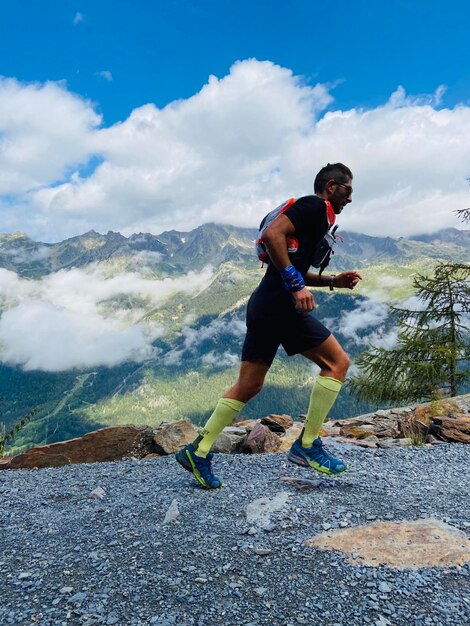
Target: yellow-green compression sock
{"x": 225, "y": 412}
{"x": 323, "y": 396}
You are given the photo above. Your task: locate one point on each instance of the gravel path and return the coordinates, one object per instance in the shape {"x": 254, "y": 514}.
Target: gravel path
{"x": 71, "y": 559}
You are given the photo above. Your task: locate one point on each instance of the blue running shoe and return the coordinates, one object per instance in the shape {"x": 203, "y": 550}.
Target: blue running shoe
{"x": 316, "y": 457}
{"x": 199, "y": 467}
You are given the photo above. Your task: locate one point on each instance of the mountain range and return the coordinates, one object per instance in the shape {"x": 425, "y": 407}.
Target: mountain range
{"x": 196, "y": 319}
{"x": 214, "y": 244}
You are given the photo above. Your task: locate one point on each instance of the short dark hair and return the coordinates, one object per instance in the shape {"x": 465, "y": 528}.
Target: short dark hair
{"x": 337, "y": 171}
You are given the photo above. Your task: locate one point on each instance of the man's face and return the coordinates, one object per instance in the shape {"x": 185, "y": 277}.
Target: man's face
{"x": 339, "y": 194}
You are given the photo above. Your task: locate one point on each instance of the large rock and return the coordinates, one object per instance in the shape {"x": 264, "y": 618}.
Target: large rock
{"x": 452, "y": 427}
{"x": 107, "y": 444}
{"x": 425, "y": 413}
{"x": 330, "y": 429}
{"x": 378, "y": 425}
{"x": 357, "y": 430}
{"x": 261, "y": 440}
{"x": 292, "y": 434}
{"x": 278, "y": 423}
{"x": 402, "y": 545}
{"x": 170, "y": 437}
{"x": 368, "y": 442}
{"x": 247, "y": 424}
{"x": 230, "y": 440}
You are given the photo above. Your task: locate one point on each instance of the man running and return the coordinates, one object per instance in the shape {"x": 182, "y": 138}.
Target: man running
{"x": 279, "y": 313}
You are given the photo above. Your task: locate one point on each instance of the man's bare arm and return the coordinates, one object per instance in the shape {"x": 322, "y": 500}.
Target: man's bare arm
{"x": 275, "y": 240}
{"x": 345, "y": 280}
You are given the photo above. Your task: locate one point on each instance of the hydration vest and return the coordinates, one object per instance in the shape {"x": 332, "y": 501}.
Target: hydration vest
{"x": 324, "y": 249}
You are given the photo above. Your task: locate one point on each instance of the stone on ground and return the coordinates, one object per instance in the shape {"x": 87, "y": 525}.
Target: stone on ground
{"x": 402, "y": 545}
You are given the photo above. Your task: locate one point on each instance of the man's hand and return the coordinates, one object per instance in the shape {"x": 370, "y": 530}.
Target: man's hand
{"x": 303, "y": 300}
{"x": 346, "y": 280}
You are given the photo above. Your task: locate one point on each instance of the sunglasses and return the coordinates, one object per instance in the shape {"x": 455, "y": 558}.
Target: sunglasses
{"x": 348, "y": 188}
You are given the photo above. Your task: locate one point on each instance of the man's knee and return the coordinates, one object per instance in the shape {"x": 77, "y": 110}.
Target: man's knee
{"x": 331, "y": 359}
{"x": 338, "y": 367}
{"x": 250, "y": 387}
{"x": 249, "y": 383}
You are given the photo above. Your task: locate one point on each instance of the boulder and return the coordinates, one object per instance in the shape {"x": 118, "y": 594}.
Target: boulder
{"x": 230, "y": 440}
{"x": 386, "y": 427}
{"x": 404, "y": 441}
{"x": 425, "y": 413}
{"x": 370, "y": 441}
{"x": 170, "y": 437}
{"x": 454, "y": 427}
{"x": 378, "y": 425}
{"x": 412, "y": 427}
{"x": 401, "y": 545}
{"x": 261, "y": 440}
{"x": 107, "y": 444}
{"x": 434, "y": 440}
{"x": 291, "y": 435}
{"x": 357, "y": 430}
{"x": 278, "y": 423}
{"x": 330, "y": 429}
{"x": 248, "y": 424}
{"x": 387, "y": 443}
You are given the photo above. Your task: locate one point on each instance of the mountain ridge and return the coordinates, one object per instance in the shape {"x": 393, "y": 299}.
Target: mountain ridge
{"x": 176, "y": 251}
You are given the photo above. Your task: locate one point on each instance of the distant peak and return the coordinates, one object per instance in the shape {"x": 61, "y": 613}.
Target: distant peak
{"x": 18, "y": 234}
{"x": 115, "y": 235}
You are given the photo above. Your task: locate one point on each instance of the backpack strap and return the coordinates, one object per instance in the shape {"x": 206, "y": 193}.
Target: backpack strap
{"x": 330, "y": 214}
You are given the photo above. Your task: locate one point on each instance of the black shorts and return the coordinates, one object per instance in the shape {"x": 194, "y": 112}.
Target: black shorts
{"x": 272, "y": 320}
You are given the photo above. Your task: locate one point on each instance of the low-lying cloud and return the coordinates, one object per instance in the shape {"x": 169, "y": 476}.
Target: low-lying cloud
{"x": 215, "y": 331}
{"x": 220, "y": 361}
{"x": 39, "y": 336}
{"x": 194, "y": 337}
{"x": 73, "y": 319}
{"x": 369, "y": 315}
{"x": 227, "y": 154}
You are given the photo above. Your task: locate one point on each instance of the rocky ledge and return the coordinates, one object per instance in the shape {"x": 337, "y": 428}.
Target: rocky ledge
{"x": 423, "y": 424}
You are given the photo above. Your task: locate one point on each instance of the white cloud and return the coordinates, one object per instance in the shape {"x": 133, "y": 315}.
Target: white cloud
{"x": 19, "y": 255}
{"x": 380, "y": 339}
{"x": 173, "y": 357}
{"x": 384, "y": 289}
{"x": 64, "y": 320}
{"x": 220, "y": 361}
{"x": 106, "y": 74}
{"x": 400, "y": 98}
{"x": 37, "y": 335}
{"x": 95, "y": 287}
{"x": 368, "y": 314}
{"x": 193, "y": 337}
{"x": 228, "y": 154}
{"x": 44, "y": 131}
{"x": 215, "y": 330}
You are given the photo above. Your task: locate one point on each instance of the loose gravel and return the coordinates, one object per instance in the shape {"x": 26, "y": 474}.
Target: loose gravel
{"x": 139, "y": 543}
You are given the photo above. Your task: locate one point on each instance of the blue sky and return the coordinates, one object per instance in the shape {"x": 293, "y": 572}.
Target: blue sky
{"x": 109, "y": 59}
{"x": 158, "y": 51}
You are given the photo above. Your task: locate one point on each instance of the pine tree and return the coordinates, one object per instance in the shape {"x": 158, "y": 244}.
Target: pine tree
{"x": 7, "y": 437}
{"x": 432, "y": 351}
{"x": 463, "y": 214}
